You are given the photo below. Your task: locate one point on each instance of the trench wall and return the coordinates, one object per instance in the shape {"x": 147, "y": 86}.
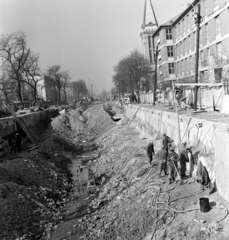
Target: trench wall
{"x": 211, "y": 137}
{"x": 8, "y": 125}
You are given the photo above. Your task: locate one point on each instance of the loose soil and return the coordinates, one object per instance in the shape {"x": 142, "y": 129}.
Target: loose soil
{"x": 42, "y": 198}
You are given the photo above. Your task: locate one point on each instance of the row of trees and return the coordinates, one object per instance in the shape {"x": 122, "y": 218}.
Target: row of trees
{"x": 20, "y": 66}
{"x": 132, "y": 74}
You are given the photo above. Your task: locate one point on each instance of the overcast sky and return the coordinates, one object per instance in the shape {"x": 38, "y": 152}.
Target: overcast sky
{"x": 86, "y": 37}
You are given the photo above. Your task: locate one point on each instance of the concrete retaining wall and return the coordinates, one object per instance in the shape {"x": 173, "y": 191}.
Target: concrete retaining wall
{"x": 8, "y": 125}
{"x": 211, "y": 137}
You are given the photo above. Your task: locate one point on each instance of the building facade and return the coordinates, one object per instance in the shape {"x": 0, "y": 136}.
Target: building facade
{"x": 176, "y": 41}
{"x": 46, "y": 89}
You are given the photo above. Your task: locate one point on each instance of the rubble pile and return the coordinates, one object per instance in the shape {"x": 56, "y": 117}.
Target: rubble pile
{"x": 33, "y": 187}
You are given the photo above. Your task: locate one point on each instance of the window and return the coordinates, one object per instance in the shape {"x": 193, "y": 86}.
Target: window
{"x": 206, "y": 33}
{"x": 171, "y": 68}
{"x": 189, "y": 42}
{"x": 219, "y": 50}
{"x": 187, "y": 19}
{"x": 170, "y": 51}
{"x": 168, "y": 33}
{"x": 183, "y": 26}
{"x": 205, "y": 8}
{"x": 217, "y": 24}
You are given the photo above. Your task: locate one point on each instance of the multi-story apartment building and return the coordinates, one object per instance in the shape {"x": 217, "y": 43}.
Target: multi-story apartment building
{"x": 176, "y": 41}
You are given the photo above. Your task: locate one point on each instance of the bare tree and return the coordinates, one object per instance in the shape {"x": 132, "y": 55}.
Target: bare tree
{"x": 65, "y": 84}
{"x": 7, "y": 86}
{"x": 14, "y": 53}
{"x": 56, "y": 75}
{"x": 129, "y": 70}
{"x": 32, "y": 73}
{"x": 79, "y": 89}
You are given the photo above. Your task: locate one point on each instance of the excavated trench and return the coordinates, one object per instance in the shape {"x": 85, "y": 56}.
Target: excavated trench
{"x": 95, "y": 182}
{"x": 117, "y": 195}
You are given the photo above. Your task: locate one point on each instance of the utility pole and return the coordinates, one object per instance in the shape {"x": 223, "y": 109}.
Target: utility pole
{"x": 197, "y": 18}
{"x": 140, "y": 73}
{"x": 119, "y": 88}
{"x": 155, "y": 77}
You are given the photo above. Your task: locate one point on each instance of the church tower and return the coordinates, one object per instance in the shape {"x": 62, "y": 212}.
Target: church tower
{"x": 148, "y": 28}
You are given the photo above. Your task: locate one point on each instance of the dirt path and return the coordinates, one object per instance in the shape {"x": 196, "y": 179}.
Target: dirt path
{"x": 128, "y": 200}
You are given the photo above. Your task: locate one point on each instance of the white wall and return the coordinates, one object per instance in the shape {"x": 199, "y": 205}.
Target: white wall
{"x": 212, "y": 137}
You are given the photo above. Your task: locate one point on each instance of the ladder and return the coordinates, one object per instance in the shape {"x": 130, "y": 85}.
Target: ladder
{"x": 22, "y": 123}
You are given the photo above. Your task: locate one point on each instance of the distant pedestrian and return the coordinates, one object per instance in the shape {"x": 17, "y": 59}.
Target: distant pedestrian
{"x": 150, "y": 151}
{"x": 18, "y": 142}
{"x": 173, "y": 159}
{"x": 183, "y": 158}
{"x": 162, "y": 157}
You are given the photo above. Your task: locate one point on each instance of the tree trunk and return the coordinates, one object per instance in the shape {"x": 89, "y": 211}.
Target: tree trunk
{"x": 59, "y": 95}
{"x": 65, "y": 97}
{"x": 19, "y": 89}
{"x": 35, "y": 94}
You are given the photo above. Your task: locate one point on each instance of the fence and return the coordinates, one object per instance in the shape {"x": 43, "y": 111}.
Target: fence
{"x": 208, "y": 98}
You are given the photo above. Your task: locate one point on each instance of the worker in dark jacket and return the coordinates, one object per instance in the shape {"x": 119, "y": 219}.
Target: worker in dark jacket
{"x": 162, "y": 157}
{"x": 173, "y": 159}
{"x": 150, "y": 151}
{"x": 183, "y": 158}
{"x": 165, "y": 142}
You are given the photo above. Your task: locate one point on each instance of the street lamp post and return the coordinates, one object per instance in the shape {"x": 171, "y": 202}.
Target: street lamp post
{"x": 155, "y": 77}
{"x": 197, "y": 19}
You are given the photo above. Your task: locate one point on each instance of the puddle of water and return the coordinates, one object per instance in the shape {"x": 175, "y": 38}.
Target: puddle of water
{"x": 80, "y": 178}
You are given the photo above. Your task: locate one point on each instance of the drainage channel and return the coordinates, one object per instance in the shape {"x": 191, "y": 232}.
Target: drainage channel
{"x": 77, "y": 207}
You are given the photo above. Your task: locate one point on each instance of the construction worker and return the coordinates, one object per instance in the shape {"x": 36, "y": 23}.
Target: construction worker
{"x": 150, "y": 151}
{"x": 183, "y": 158}
{"x": 162, "y": 157}
{"x": 165, "y": 142}
{"x": 173, "y": 159}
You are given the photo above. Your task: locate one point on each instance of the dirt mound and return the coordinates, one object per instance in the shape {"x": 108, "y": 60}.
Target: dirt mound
{"x": 87, "y": 125}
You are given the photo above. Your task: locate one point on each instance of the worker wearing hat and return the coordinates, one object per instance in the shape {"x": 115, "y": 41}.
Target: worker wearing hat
{"x": 173, "y": 159}
{"x": 183, "y": 157}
